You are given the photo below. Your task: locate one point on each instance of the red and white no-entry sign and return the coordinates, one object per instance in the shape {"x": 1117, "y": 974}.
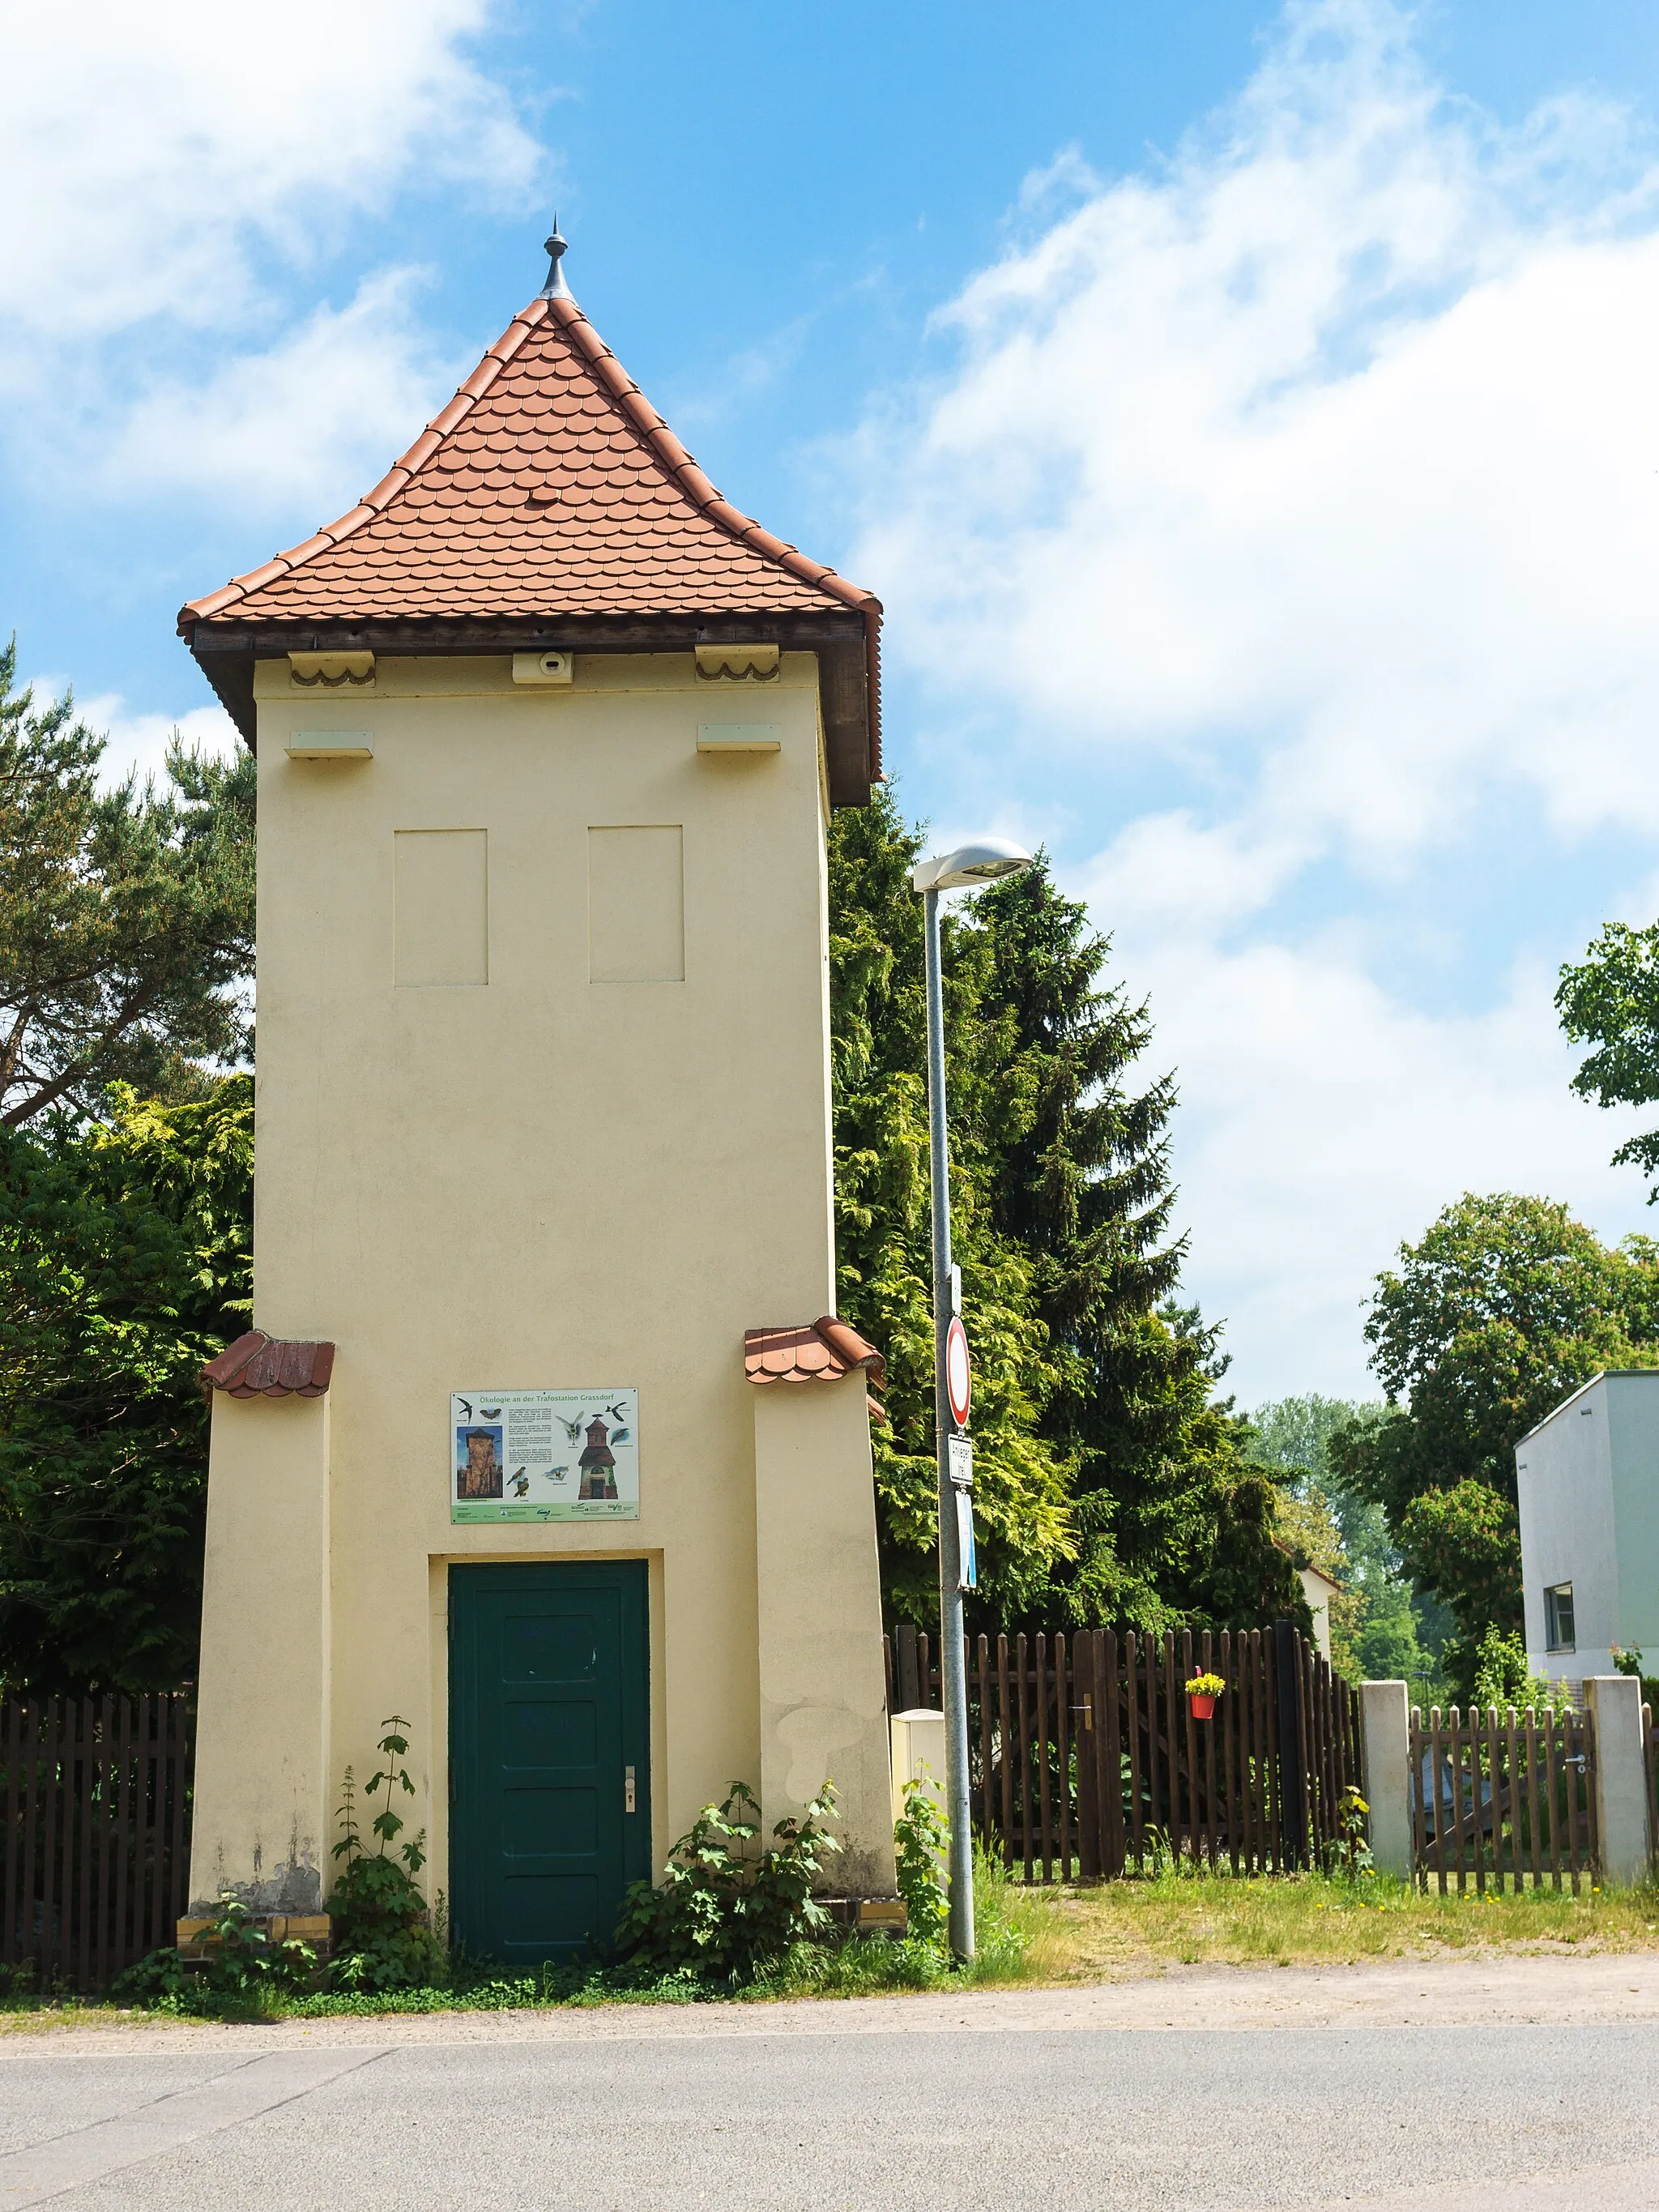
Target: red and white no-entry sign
{"x": 958, "y": 1382}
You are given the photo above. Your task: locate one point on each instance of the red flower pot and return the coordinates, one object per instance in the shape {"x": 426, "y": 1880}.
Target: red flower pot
{"x": 1203, "y": 1704}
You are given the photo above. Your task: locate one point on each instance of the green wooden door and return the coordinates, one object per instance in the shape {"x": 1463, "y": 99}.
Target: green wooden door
{"x": 549, "y": 1740}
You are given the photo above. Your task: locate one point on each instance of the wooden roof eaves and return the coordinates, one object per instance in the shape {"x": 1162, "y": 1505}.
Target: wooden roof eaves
{"x": 226, "y": 652}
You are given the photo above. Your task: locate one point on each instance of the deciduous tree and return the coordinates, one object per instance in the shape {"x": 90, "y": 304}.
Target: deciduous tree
{"x": 124, "y": 1266}
{"x": 1501, "y": 1307}
{"x": 1610, "y": 1001}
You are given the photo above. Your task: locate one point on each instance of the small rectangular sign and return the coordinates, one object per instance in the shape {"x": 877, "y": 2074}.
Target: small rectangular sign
{"x": 545, "y": 1456}
{"x": 961, "y": 1452}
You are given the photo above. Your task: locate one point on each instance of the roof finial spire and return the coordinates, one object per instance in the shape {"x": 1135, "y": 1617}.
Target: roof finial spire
{"x": 555, "y": 287}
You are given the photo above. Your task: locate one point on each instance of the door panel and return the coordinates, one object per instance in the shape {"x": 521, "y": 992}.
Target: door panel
{"x": 548, "y": 1707}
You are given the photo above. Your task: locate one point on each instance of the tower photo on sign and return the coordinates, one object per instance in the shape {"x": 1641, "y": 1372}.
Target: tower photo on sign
{"x": 597, "y": 1462}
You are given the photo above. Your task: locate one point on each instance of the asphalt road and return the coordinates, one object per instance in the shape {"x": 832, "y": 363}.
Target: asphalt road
{"x": 1412, "y": 2119}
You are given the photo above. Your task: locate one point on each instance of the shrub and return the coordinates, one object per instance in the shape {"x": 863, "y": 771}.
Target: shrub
{"x": 724, "y": 1910}
{"x": 382, "y": 1939}
{"x": 1630, "y": 1663}
{"x": 239, "y": 1967}
{"x": 1503, "y": 1678}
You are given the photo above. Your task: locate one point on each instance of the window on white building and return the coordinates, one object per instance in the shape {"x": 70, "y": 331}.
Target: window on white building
{"x": 1557, "y": 1617}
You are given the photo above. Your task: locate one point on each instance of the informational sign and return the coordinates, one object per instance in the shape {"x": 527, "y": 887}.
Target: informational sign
{"x": 958, "y": 1382}
{"x": 960, "y": 1465}
{"x": 960, "y": 1459}
{"x": 967, "y": 1564}
{"x": 545, "y": 1456}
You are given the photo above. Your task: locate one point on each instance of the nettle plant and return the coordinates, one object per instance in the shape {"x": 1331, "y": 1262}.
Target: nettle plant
{"x": 382, "y": 1937}
{"x": 922, "y": 1840}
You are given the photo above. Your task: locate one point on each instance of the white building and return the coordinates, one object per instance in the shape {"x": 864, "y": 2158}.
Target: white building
{"x": 1588, "y": 1477}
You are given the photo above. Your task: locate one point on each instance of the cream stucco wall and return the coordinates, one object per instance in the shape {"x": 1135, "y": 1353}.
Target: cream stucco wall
{"x": 824, "y": 1692}
{"x": 539, "y": 1180}
{"x": 262, "y": 1802}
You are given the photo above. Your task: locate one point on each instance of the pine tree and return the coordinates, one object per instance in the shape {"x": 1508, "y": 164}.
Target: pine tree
{"x": 126, "y": 915}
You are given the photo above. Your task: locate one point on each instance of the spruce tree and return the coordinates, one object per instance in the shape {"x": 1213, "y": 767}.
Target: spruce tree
{"x": 1110, "y": 1482}
{"x": 1169, "y": 1521}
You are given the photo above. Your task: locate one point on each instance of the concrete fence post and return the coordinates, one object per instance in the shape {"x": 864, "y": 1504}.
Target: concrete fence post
{"x": 1385, "y": 1753}
{"x": 1614, "y": 1702}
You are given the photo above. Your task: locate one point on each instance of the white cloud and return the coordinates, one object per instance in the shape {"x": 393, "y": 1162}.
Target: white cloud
{"x": 1308, "y": 488}
{"x": 140, "y": 741}
{"x": 173, "y": 190}
{"x": 153, "y": 155}
{"x": 1332, "y": 448}
{"x": 341, "y": 394}
{"x": 1323, "y": 1120}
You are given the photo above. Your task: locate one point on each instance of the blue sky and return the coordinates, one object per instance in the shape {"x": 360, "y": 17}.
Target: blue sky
{"x": 1246, "y": 414}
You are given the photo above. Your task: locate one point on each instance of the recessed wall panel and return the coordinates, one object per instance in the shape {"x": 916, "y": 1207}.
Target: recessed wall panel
{"x": 441, "y": 894}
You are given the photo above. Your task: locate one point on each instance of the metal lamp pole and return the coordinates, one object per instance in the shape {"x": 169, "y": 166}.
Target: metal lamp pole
{"x": 969, "y": 865}
{"x": 953, "y": 1680}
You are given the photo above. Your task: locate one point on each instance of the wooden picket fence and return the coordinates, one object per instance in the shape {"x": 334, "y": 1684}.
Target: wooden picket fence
{"x": 1504, "y": 1797}
{"x": 94, "y": 1852}
{"x": 1085, "y": 1757}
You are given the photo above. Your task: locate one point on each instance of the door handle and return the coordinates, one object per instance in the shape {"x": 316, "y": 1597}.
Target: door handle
{"x": 629, "y": 1805}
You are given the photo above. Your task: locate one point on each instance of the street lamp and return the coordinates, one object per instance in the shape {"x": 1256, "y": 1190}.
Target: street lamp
{"x": 969, "y": 866}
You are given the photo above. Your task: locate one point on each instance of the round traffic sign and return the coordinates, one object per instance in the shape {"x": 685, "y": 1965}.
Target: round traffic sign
{"x": 958, "y": 1384}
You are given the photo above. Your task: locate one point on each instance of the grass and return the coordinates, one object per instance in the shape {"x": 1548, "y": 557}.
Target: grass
{"x": 1039, "y": 1938}
{"x": 1127, "y": 1928}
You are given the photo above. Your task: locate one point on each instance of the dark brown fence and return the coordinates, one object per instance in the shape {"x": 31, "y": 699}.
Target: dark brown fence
{"x": 94, "y": 1853}
{"x": 1087, "y": 1756}
{"x": 1502, "y": 1798}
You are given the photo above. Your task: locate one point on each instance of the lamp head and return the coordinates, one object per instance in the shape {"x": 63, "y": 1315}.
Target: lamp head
{"x": 969, "y": 866}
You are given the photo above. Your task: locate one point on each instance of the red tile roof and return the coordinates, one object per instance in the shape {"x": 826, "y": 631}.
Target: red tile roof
{"x": 548, "y": 484}
{"x": 815, "y": 1351}
{"x": 261, "y": 1366}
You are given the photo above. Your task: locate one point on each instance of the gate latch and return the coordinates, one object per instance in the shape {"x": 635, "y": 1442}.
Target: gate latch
{"x": 629, "y": 1803}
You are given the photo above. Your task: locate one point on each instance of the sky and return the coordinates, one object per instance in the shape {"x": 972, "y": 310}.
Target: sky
{"x": 1246, "y": 414}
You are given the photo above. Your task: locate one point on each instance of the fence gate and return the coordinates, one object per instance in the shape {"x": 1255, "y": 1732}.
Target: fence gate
{"x": 1085, "y": 1755}
{"x": 1502, "y": 1798}
{"x": 94, "y": 1852}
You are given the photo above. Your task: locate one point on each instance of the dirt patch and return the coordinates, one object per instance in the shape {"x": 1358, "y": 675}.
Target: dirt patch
{"x": 1561, "y": 1992}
